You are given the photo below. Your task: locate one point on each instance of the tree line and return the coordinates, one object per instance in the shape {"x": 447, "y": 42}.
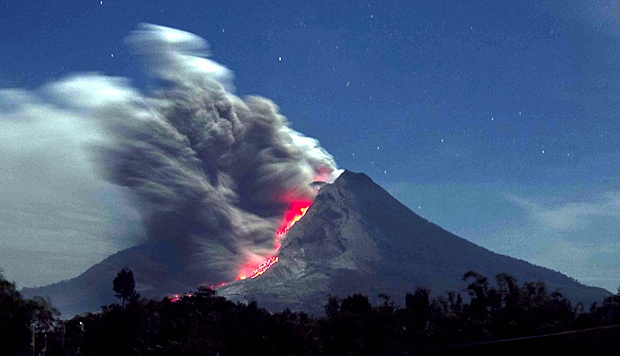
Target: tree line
{"x": 489, "y": 316}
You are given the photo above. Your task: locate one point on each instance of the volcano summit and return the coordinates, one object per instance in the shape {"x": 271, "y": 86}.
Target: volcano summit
{"x": 354, "y": 238}
{"x": 357, "y": 238}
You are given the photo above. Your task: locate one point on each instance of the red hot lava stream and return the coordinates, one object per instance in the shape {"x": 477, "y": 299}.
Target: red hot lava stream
{"x": 250, "y": 270}
{"x": 294, "y": 214}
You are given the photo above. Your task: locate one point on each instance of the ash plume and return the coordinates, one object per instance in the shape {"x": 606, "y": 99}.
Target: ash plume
{"x": 208, "y": 171}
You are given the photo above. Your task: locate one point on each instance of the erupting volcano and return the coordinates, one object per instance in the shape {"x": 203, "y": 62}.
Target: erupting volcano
{"x": 199, "y": 164}
{"x": 360, "y": 239}
{"x": 297, "y": 211}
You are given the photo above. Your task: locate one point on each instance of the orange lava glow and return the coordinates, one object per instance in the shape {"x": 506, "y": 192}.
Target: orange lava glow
{"x": 297, "y": 211}
{"x": 262, "y": 268}
{"x": 221, "y": 284}
{"x": 294, "y": 214}
{"x": 174, "y": 298}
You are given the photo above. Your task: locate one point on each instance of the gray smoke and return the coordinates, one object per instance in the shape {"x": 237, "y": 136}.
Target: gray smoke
{"x": 207, "y": 170}
{"x": 211, "y": 171}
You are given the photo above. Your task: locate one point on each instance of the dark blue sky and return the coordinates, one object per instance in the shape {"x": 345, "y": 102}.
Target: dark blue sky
{"x": 498, "y": 120}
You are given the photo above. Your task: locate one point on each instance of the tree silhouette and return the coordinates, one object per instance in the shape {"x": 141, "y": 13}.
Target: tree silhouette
{"x": 125, "y": 286}
{"x": 18, "y": 315}
{"x": 494, "y": 316}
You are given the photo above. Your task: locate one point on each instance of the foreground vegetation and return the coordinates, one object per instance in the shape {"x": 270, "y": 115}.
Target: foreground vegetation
{"x": 487, "y": 317}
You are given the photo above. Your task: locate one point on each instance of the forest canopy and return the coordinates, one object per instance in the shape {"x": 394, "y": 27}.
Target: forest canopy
{"x": 489, "y": 316}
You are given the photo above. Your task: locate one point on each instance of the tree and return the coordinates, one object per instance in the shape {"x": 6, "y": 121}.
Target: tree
{"x": 332, "y": 308}
{"x": 125, "y": 286}
{"x": 418, "y": 304}
{"x": 18, "y": 315}
{"x": 356, "y": 304}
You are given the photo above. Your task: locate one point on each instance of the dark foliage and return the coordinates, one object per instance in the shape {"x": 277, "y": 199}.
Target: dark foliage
{"x": 20, "y": 318}
{"x": 124, "y": 286}
{"x": 488, "y": 317}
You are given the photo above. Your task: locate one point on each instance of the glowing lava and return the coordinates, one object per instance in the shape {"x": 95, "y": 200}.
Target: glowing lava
{"x": 221, "y": 284}
{"x": 294, "y": 214}
{"x": 262, "y": 268}
{"x": 297, "y": 211}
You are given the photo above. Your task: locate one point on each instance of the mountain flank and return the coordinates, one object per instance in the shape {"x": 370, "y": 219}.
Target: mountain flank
{"x": 355, "y": 238}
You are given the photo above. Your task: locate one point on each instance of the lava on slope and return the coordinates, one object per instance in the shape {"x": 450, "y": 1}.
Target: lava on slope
{"x": 262, "y": 268}
{"x": 294, "y": 214}
{"x": 297, "y": 211}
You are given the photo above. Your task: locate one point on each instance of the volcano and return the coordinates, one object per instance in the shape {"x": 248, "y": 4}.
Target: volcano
{"x": 354, "y": 238}
{"x": 357, "y": 238}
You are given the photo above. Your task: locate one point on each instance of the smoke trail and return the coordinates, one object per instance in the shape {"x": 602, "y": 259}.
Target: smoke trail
{"x": 209, "y": 170}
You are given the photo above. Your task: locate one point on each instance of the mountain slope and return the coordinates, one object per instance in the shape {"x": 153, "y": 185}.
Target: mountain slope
{"x": 158, "y": 271}
{"x": 357, "y": 238}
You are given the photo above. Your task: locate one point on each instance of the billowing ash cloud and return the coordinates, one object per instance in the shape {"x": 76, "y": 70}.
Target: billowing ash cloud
{"x": 208, "y": 170}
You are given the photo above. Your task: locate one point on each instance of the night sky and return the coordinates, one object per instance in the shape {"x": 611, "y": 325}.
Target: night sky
{"x": 497, "y": 120}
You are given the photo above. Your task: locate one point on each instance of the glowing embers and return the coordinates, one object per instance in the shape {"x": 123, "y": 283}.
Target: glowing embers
{"x": 262, "y": 268}
{"x": 175, "y": 297}
{"x": 296, "y": 212}
{"x": 221, "y": 284}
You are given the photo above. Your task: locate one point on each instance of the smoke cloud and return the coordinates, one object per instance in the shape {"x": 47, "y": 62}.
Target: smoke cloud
{"x": 206, "y": 170}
